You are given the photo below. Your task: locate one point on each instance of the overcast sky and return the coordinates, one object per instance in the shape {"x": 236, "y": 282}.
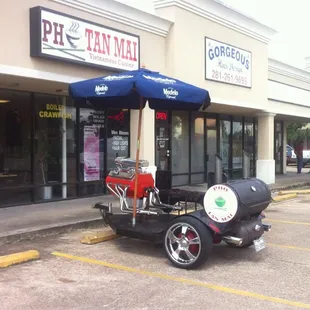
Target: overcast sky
{"x": 289, "y": 18}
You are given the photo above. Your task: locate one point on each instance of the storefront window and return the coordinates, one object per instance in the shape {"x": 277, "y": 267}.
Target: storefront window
{"x": 54, "y": 148}
{"x": 197, "y": 148}
{"x": 180, "y": 147}
{"x": 51, "y": 150}
{"x": 118, "y": 127}
{"x": 15, "y": 147}
{"x": 237, "y": 150}
{"x": 225, "y": 135}
{"x": 71, "y": 148}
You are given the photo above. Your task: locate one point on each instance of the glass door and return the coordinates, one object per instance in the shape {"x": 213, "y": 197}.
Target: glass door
{"x": 278, "y": 147}
{"x": 225, "y": 145}
{"x": 211, "y": 146}
{"x": 237, "y": 147}
{"x": 249, "y": 143}
{"x": 180, "y": 127}
{"x": 197, "y": 148}
{"x": 162, "y": 150}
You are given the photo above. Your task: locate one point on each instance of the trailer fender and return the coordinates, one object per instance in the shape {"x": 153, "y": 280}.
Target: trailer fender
{"x": 203, "y": 217}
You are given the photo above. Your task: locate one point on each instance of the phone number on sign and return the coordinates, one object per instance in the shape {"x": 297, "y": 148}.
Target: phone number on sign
{"x": 229, "y": 78}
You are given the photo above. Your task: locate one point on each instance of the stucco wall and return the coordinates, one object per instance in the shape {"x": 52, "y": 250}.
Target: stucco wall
{"x": 288, "y": 80}
{"x": 288, "y": 100}
{"x": 15, "y": 19}
{"x": 188, "y": 57}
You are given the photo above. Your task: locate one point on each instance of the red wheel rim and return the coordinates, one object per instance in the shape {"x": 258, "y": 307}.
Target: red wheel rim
{"x": 193, "y": 248}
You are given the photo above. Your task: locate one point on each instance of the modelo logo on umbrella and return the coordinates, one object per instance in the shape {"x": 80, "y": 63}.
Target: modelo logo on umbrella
{"x": 220, "y": 203}
{"x": 159, "y": 79}
{"x": 117, "y": 77}
{"x": 101, "y": 89}
{"x": 170, "y": 93}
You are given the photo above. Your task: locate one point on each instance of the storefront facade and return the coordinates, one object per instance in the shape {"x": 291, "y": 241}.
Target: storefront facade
{"x": 226, "y": 52}
{"x": 39, "y": 147}
{"x": 52, "y": 149}
{"x": 192, "y": 141}
{"x": 232, "y": 63}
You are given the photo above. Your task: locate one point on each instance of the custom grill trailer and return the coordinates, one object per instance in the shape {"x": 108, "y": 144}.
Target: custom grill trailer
{"x": 186, "y": 223}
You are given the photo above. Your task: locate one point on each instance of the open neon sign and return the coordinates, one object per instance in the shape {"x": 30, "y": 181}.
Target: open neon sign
{"x": 161, "y": 116}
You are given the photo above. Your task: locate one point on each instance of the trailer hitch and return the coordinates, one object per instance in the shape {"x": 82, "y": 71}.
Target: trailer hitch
{"x": 105, "y": 211}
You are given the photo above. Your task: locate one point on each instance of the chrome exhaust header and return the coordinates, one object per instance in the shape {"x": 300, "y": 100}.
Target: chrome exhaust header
{"x": 233, "y": 240}
{"x": 267, "y": 227}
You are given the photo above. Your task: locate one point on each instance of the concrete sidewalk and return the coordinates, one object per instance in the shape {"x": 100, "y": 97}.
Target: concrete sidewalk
{"x": 28, "y": 221}
{"x": 290, "y": 180}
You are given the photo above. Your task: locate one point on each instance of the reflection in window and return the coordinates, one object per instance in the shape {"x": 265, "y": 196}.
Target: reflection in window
{"x": 278, "y": 148}
{"x": 180, "y": 146}
{"x": 225, "y": 134}
{"x": 118, "y": 127}
{"x": 211, "y": 122}
{"x": 54, "y": 147}
{"x": 249, "y": 143}
{"x": 197, "y": 147}
{"x": 237, "y": 150}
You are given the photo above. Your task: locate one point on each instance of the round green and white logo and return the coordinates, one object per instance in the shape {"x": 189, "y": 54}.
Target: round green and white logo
{"x": 220, "y": 203}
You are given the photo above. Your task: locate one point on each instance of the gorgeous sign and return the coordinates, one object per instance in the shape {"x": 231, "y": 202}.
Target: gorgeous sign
{"x": 59, "y": 36}
{"x": 228, "y": 64}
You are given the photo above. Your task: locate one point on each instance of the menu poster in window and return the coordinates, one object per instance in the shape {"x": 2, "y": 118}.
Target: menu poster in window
{"x": 98, "y": 118}
{"x": 91, "y": 153}
{"x": 120, "y": 141}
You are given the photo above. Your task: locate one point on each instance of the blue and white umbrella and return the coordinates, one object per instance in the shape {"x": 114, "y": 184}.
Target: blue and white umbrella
{"x": 132, "y": 89}
{"x": 125, "y": 90}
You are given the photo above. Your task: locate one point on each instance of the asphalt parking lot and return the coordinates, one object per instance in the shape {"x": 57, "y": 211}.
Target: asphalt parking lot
{"x": 130, "y": 274}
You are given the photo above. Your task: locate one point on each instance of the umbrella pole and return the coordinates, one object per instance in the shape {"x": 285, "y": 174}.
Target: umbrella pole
{"x": 137, "y": 164}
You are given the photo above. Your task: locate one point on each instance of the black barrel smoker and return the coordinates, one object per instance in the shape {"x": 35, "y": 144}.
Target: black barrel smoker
{"x": 187, "y": 223}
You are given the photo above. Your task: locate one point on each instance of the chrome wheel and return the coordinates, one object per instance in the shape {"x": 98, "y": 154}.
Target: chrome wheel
{"x": 183, "y": 243}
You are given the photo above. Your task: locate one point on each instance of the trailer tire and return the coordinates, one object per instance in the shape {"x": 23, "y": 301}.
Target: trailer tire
{"x": 188, "y": 242}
